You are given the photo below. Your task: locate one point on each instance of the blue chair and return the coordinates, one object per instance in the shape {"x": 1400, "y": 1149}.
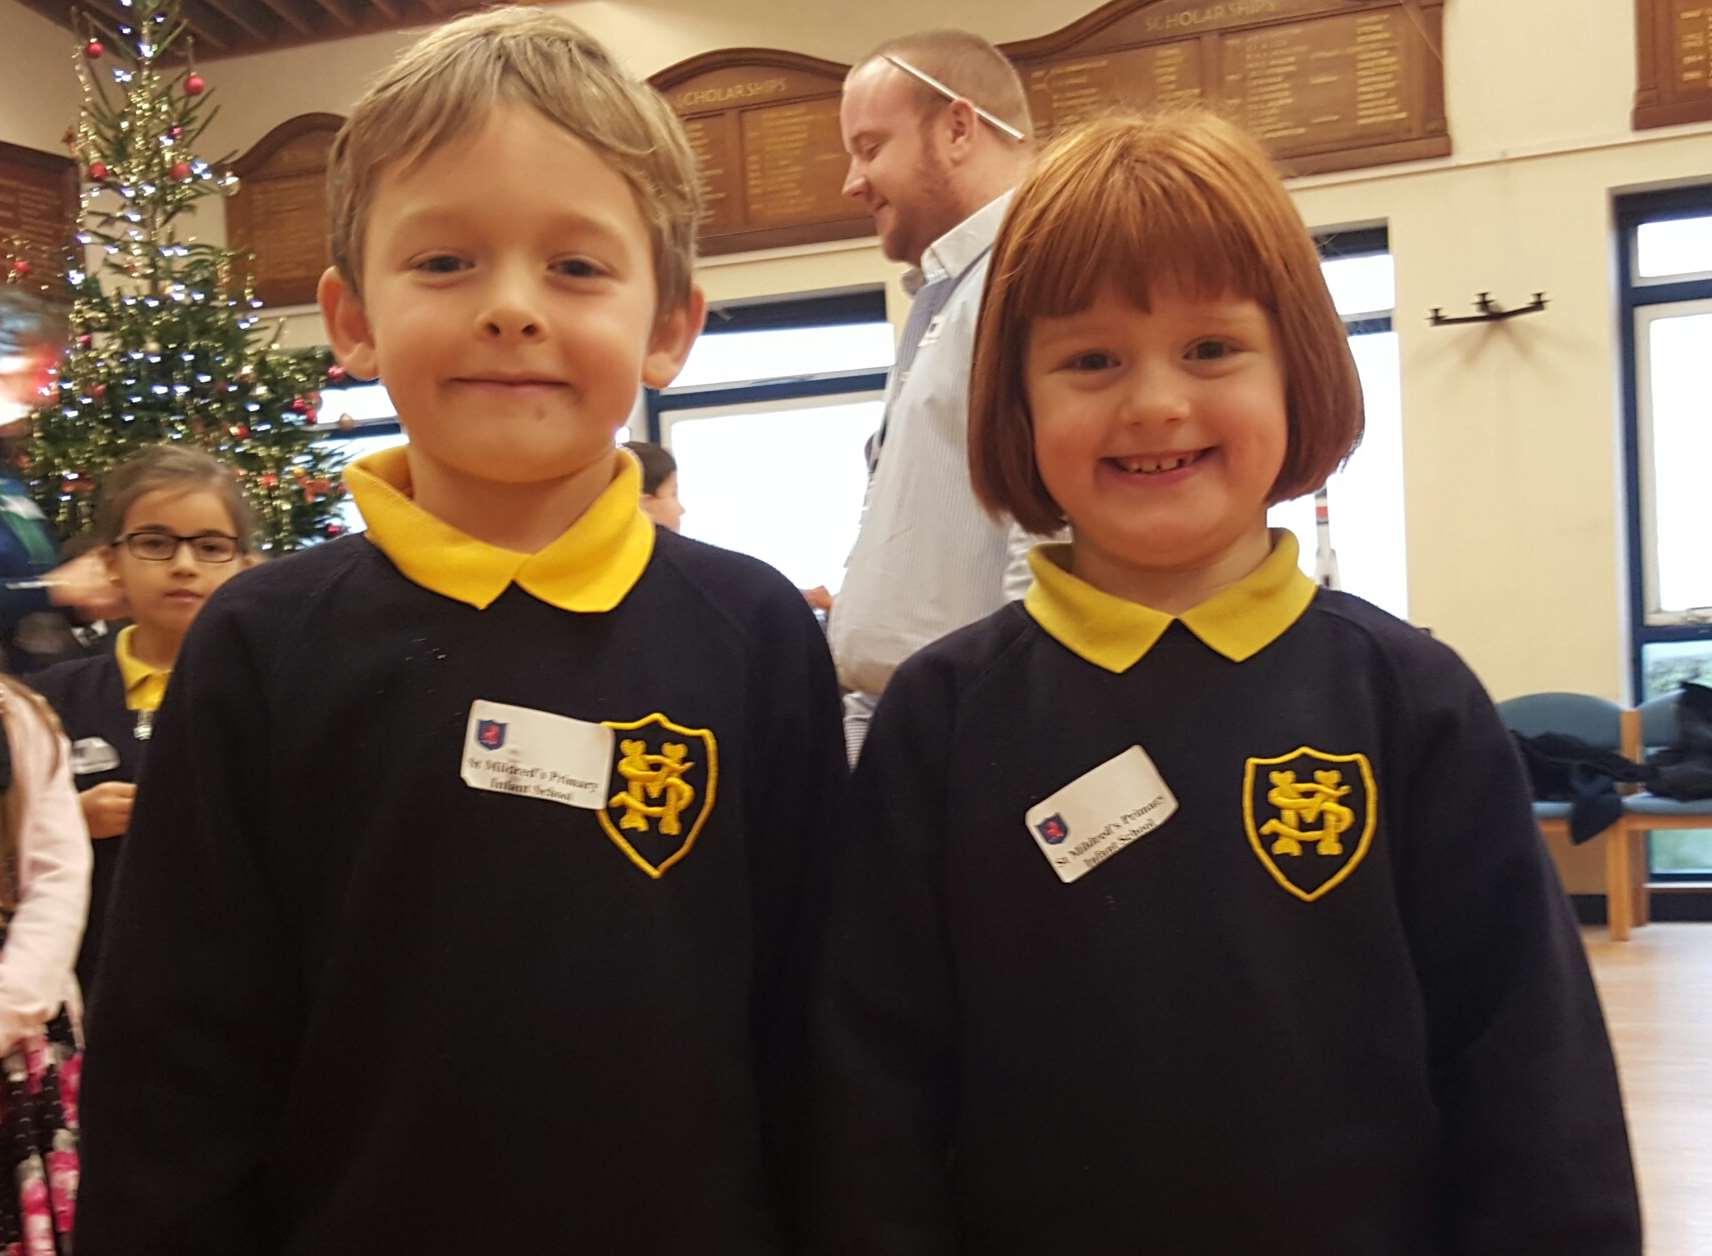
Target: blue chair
{"x": 1599, "y": 723}
{"x": 1652, "y": 726}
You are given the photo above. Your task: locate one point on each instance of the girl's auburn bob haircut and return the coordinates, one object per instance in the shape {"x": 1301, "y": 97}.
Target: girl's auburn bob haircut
{"x": 1180, "y": 197}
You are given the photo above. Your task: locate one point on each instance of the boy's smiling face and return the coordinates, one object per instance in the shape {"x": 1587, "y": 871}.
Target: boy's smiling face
{"x": 508, "y": 303}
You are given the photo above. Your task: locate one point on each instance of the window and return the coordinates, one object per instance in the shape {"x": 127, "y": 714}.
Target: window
{"x": 780, "y": 479}
{"x": 1665, "y": 289}
{"x": 769, "y": 421}
{"x": 1365, "y": 498}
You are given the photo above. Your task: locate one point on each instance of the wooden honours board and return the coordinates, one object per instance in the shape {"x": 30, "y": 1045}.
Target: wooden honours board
{"x": 1674, "y": 49}
{"x": 38, "y": 211}
{"x": 279, "y": 212}
{"x": 764, "y": 126}
{"x": 1324, "y": 84}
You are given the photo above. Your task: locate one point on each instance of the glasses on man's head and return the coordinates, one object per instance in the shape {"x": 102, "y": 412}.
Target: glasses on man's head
{"x": 162, "y": 547}
{"x": 922, "y": 76}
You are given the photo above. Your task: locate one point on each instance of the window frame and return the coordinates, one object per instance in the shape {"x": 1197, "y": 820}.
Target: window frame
{"x": 837, "y": 309}
{"x": 1636, "y": 295}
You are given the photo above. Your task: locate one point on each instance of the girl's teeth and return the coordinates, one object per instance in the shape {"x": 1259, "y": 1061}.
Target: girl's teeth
{"x": 1154, "y": 466}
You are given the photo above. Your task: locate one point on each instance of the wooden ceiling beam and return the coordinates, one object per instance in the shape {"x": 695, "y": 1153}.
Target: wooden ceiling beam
{"x": 287, "y": 12}
{"x": 197, "y": 17}
{"x": 224, "y": 28}
{"x": 233, "y": 12}
{"x": 339, "y": 12}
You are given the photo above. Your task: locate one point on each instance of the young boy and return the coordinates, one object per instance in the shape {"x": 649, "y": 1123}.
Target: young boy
{"x": 461, "y": 907}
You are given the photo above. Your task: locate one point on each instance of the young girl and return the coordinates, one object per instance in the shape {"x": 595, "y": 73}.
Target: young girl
{"x": 44, "y": 891}
{"x": 1190, "y": 908}
{"x": 175, "y": 527}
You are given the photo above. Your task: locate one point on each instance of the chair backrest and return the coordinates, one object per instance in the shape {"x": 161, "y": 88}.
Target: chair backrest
{"x": 1659, "y": 723}
{"x": 1596, "y": 721}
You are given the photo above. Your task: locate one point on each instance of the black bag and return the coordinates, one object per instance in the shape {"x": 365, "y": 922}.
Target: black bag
{"x": 1567, "y": 769}
{"x": 1684, "y": 770}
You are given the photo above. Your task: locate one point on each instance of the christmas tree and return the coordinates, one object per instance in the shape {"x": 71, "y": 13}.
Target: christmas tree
{"x": 165, "y": 341}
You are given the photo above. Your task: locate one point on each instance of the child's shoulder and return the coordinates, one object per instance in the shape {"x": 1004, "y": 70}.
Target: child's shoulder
{"x": 1384, "y": 632}
{"x": 271, "y": 602}
{"x": 63, "y": 681}
{"x": 728, "y": 582}
{"x": 1425, "y": 672}
{"x": 965, "y": 657}
{"x": 307, "y": 574}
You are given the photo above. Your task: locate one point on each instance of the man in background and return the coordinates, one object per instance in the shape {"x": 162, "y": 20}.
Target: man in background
{"x": 938, "y": 131}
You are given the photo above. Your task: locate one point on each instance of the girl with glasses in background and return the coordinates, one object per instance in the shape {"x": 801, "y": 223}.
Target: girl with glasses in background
{"x": 174, "y": 527}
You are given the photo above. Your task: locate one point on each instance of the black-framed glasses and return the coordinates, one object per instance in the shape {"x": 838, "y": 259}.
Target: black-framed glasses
{"x": 162, "y": 547}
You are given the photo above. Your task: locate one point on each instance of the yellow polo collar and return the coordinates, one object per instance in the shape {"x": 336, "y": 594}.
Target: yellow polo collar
{"x": 1116, "y": 634}
{"x": 145, "y": 685}
{"x": 591, "y": 568}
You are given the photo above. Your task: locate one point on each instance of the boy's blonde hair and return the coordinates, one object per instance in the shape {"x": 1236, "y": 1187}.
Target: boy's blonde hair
{"x": 443, "y": 86}
{"x": 1133, "y": 200}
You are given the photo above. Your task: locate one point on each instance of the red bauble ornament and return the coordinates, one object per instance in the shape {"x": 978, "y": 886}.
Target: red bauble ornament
{"x": 181, "y": 171}
{"x": 21, "y": 268}
{"x": 301, "y": 405}
{"x": 270, "y": 480}
{"x": 85, "y": 340}
{"x": 98, "y": 392}
{"x": 97, "y": 171}
{"x": 175, "y": 133}
{"x": 195, "y": 85}
{"x": 336, "y": 372}
{"x": 93, "y": 50}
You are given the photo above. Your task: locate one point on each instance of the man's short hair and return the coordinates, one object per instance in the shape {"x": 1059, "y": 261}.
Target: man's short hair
{"x": 442, "y": 88}
{"x": 1181, "y": 197}
{"x": 969, "y": 66}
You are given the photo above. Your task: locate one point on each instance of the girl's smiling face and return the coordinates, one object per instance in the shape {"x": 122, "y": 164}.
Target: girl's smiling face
{"x": 1160, "y": 433}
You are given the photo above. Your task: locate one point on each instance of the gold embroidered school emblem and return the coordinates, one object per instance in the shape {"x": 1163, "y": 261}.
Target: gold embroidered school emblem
{"x": 663, "y": 781}
{"x": 1310, "y": 817}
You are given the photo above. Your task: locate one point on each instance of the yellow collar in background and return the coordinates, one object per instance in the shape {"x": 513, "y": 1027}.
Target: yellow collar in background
{"x": 590, "y": 568}
{"x": 1115, "y": 634}
{"x": 145, "y": 685}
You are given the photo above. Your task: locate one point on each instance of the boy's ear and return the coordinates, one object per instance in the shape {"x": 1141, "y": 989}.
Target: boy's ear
{"x": 674, "y": 335}
{"x": 348, "y": 329}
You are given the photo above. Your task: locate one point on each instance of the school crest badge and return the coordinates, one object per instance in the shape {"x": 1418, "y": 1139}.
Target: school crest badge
{"x": 664, "y": 778}
{"x": 1310, "y": 817}
{"x": 1053, "y": 830}
{"x": 490, "y": 734}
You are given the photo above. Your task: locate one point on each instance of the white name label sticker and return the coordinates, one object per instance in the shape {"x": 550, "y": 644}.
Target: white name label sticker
{"x": 1100, "y": 813}
{"x": 92, "y": 754}
{"x": 536, "y": 754}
